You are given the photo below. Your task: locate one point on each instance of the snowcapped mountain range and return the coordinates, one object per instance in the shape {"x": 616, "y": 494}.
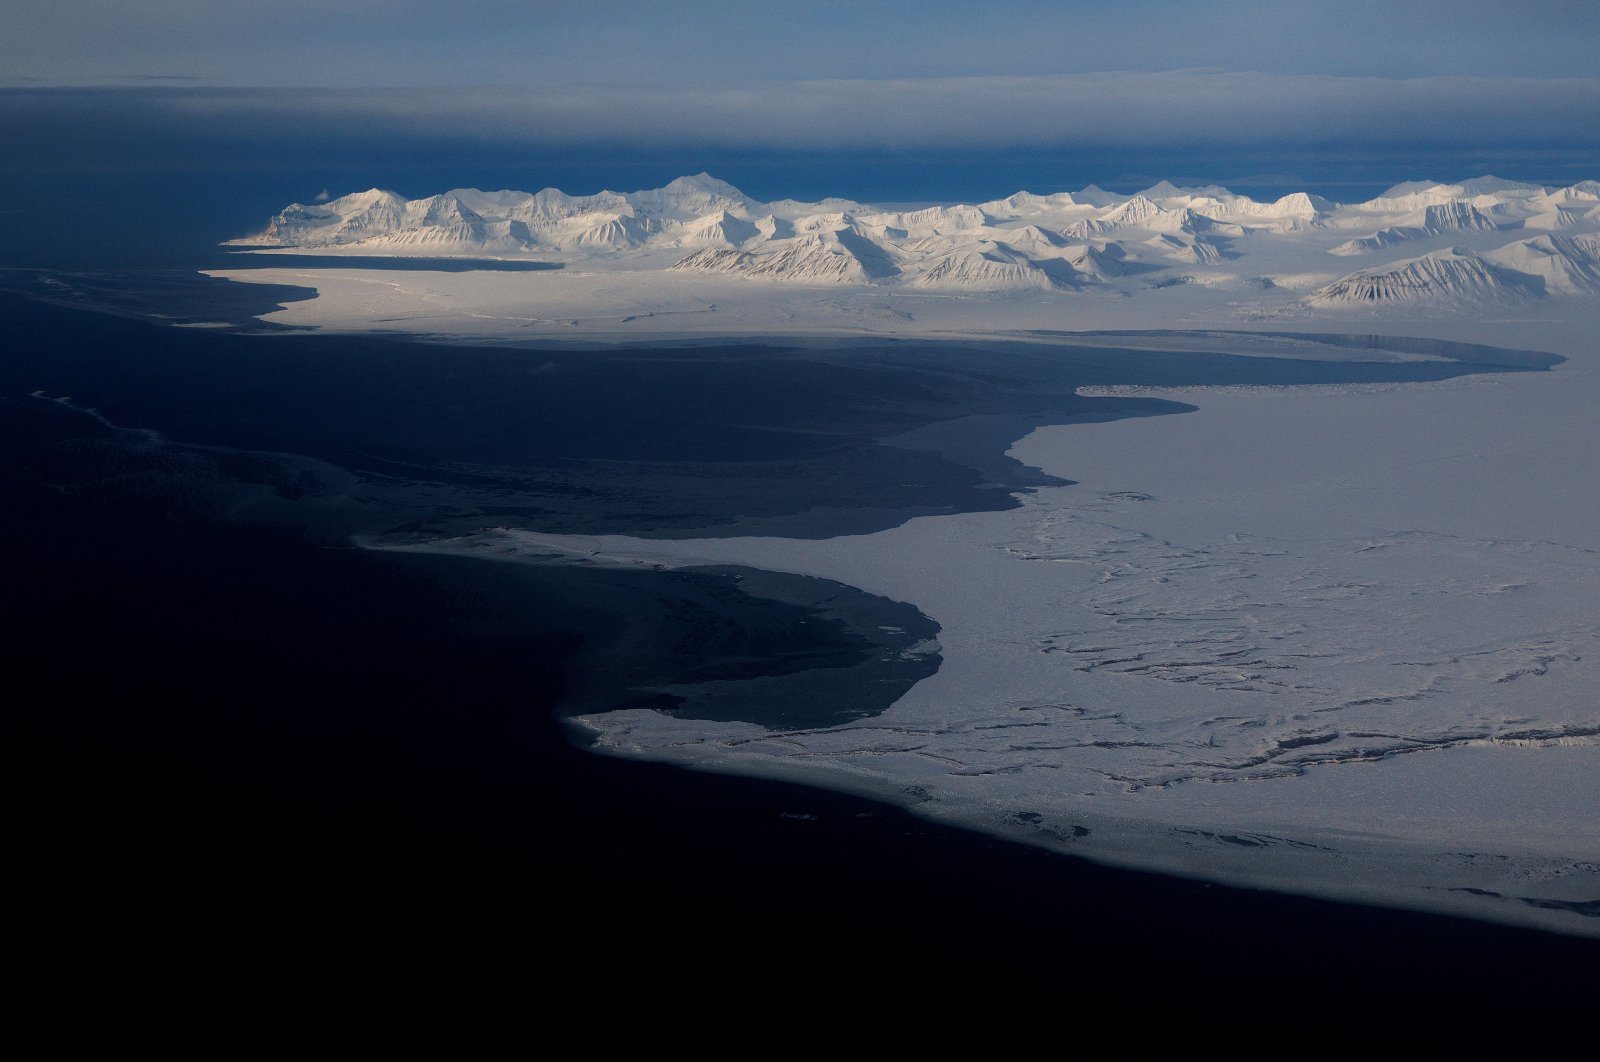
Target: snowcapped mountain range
{"x": 1482, "y": 239}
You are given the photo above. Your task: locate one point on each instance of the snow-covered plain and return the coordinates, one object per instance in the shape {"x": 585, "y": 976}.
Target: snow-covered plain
{"x": 1337, "y": 640}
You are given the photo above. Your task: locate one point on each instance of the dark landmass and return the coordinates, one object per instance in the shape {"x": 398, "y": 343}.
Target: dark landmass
{"x": 720, "y": 642}
{"x": 674, "y": 442}
{"x": 165, "y": 296}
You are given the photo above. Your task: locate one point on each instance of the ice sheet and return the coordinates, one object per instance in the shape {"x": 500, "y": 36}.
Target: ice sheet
{"x": 1338, "y": 640}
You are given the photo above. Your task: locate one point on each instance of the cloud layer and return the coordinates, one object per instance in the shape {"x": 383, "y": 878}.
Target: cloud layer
{"x": 1213, "y": 109}
{"x": 356, "y": 43}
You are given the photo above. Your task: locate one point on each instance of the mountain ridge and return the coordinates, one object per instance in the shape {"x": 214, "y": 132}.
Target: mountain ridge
{"x": 1039, "y": 242}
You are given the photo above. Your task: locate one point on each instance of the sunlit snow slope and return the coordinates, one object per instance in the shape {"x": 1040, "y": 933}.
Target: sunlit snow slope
{"x": 1419, "y": 243}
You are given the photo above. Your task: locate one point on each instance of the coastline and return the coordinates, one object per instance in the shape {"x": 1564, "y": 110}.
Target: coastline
{"x": 1483, "y": 859}
{"x": 1016, "y": 465}
{"x": 1505, "y": 835}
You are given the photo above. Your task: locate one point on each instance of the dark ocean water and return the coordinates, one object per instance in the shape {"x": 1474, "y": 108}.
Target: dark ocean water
{"x": 250, "y": 746}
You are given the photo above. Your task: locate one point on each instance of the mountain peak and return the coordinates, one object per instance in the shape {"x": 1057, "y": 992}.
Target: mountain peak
{"x": 1490, "y": 185}
{"x": 1163, "y": 190}
{"x": 1094, "y": 195}
{"x": 704, "y": 182}
{"x": 1139, "y": 208}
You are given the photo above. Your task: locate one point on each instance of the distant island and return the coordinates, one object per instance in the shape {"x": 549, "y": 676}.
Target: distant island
{"x": 1427, "y": 244}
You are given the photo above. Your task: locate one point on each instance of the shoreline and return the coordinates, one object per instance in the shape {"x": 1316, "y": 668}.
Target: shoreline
{"x": 1165, "y": 849}
{"x": 1098, "y": 493}
{"x": 1367, "y": 872}
{"x": 1241, "y": 847}
{"x": 1514, "y": 817}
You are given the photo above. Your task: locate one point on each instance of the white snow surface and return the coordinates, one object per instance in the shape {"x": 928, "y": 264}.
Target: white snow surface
{"x": 699, "y": 257}
{"x": 1339, "y": 640}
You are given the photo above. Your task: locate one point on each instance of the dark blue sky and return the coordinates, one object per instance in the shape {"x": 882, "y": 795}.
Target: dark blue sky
{"x": 883, "y": 101}
{"x": 363, "y": 43}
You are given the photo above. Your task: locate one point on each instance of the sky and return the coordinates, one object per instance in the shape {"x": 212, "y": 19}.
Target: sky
{"x": 389, "y": 43}
{"x": 955, "y": 92}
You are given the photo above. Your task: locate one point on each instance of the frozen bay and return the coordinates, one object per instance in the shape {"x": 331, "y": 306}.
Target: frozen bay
{"x": 1332, "y": 639}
